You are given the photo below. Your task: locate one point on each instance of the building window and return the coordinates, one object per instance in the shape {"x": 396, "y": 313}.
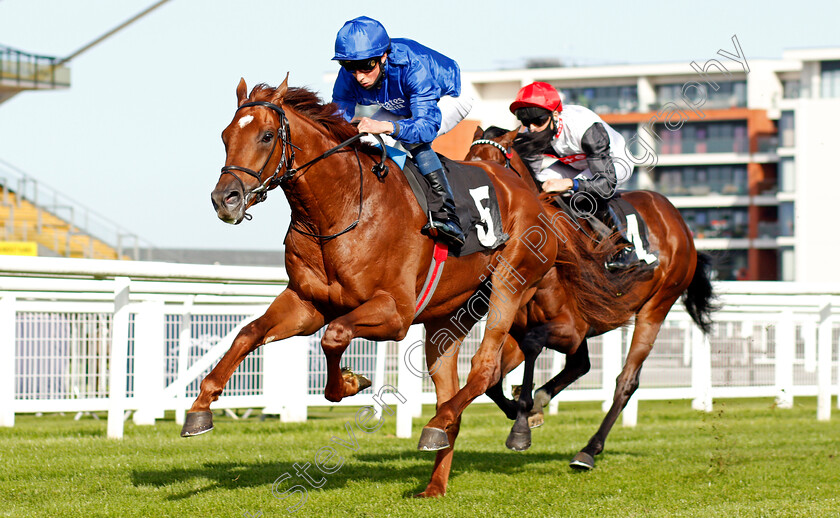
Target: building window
{"x": 790, "y": 89}
{"x": 728, "y": 265}
{"x": 786, "y": 129}
{"x": 730, "y": 94}
{"x": 603, "y": 99}
{"x": 717, "y": 223}
{"x": 711, "y": 137}
{"x": 787, "y": 175}
{"x": 786, "y": 219}
{"x": 628, "y": 131}
{"x": 830, "y": 78}
{"x": 701, "y": 180}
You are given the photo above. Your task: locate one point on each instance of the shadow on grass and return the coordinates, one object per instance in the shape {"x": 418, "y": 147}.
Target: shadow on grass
{"x": 388, "y": 468}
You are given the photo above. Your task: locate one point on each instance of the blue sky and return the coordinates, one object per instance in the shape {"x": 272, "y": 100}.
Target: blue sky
{"x": 137, "y": 136}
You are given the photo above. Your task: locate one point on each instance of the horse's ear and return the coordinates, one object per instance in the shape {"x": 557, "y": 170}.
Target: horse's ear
{"x": 508, "y": 138}
{"x": 241, "y": 92}
{"x": 281, "y": 90}
{"x": 478, "y": 133}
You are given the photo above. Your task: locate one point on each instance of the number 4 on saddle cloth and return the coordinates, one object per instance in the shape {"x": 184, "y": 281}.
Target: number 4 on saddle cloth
{"x": 475, "y": 201}
{"x": 628, "y": 224}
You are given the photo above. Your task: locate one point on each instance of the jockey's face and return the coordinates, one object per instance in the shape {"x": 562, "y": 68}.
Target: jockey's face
{"x": 367, "y": 78}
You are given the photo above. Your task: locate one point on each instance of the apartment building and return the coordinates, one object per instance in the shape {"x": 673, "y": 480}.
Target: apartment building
{"x": 745, "y": 148}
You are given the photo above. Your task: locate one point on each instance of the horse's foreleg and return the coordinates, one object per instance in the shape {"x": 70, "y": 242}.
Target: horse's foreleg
{"x": 485, "y": 371}
{"x": 376, "y": 319}
{"x": 443, "y": 367}
{"x": 626, "y": 384}
{"x": 287, "y": 316}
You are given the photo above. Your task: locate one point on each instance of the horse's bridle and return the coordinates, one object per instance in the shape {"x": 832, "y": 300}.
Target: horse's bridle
{"x": 284, "y": 136}
{"x": 380, "y": 169}
{"x": 508, "y": 153}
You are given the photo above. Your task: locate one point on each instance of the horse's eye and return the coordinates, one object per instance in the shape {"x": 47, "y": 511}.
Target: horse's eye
{"x": 267, "y": 136}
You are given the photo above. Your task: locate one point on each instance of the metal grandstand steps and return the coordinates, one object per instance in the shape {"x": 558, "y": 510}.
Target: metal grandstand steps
{"x": 60, "y": 227}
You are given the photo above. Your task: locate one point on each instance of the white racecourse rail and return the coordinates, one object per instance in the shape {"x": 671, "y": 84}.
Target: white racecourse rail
{"x": 79, "y": 335}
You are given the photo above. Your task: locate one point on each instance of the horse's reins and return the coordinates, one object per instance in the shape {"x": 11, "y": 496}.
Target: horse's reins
{"x": 380, "y": 169}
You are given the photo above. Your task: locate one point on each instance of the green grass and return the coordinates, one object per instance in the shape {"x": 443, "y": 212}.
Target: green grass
{"x": 746, "y": 458}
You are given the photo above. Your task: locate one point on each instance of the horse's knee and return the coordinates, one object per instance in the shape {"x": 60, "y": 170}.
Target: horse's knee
{"x": 337, "y": 335}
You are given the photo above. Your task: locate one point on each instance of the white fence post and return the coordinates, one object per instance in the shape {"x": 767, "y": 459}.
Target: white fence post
{"x": 409, "y": 384}
{"x": 184, "y": 346}
{"x": 558, "y": 363}
{"x": 824, "y": 363}
{"x": 610, "y": 366}
{"x": 149, "y": 362}
{"x": 7, "y": 360}
{"x": 118, "y": 364}
{"x": 286, "y": 378}
{"x": 379, "y": 372}
{"x": 701, "y": 369}
{"x": 785, "y": 352}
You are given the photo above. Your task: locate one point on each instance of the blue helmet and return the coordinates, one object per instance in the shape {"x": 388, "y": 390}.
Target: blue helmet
{"x": 361, "y": 38}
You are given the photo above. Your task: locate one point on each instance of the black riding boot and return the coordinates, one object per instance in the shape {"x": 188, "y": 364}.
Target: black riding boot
{"x": 442, "y": 207}
{"x": 625, "y": 258}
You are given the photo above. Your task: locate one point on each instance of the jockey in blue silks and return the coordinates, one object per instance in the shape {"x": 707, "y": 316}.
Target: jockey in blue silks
{"x": 418, "y": 91}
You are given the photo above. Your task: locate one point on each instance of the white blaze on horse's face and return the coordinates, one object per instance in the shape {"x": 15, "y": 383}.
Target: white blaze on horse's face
{"x": 244, "y": 121}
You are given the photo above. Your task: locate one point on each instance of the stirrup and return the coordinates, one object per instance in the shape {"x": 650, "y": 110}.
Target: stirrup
{"x": 625, "y": 259}
{"x": 445, "y": 231}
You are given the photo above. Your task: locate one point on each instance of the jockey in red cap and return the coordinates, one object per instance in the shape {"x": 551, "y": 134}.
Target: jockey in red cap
{"x": 571, "y": 149}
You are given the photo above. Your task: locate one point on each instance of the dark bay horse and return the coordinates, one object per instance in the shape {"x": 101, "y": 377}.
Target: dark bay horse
{"x": 581, "y": 299}
{"x": 356, "y": 258}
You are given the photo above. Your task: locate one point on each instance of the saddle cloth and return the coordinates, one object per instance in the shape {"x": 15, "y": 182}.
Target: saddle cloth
{"x": 633, "y": 226}
{"x": 475, "y": 201}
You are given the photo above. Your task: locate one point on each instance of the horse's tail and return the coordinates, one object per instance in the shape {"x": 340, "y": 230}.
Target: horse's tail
{"x": 699, "y": 298}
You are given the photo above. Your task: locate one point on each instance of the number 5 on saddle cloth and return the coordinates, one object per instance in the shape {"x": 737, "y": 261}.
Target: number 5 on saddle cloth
{"x": 475, "y": 201}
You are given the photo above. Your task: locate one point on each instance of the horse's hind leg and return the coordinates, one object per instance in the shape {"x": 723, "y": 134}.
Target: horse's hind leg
{"x": 519, "y": 438}
{"x": 287, "y": 316}
{"x": 511, "y": 357}
{"x": 577, "y": 364}
{"x": 644, "y": 335}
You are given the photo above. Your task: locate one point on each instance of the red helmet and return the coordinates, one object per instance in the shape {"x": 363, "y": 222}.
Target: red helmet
{"x": 540, "y": 95}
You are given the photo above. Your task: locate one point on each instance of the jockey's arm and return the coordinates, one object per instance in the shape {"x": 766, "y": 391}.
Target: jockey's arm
{"x": 596, "y": 144}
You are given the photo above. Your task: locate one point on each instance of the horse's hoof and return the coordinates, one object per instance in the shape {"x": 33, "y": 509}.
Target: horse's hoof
{"x": 361, "y": 381}
{"x": 582, "y": 462}
{"x": 430, "y": 494}
{"x": 536, "y": 420}
{"x": 541, "y": 399}
{"x": 519, "y": 441}
{"x": 197, "y": 423}
{"x": 433, "y": 439}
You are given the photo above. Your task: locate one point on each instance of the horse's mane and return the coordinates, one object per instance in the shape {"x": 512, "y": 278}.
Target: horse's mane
{"x": 308, "y": 104}
{"x": 580, "y": 260}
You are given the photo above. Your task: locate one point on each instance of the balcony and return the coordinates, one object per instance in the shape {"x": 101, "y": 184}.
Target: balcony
{"x": 23, "y": 71}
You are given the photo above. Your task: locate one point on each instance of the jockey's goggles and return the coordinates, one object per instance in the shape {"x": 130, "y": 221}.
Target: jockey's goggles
{"x": 533, "y": 116}
{"x": 361, "y": 65}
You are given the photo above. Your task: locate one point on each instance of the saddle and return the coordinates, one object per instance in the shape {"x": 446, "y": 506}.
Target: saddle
{"x": 631, "y": 225}
{"x": 475, "y": 201}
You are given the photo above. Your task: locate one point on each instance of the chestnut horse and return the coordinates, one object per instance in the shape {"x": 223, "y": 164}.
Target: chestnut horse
{"x": 581, "y": 299}
{"x": 357, "y": 259}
